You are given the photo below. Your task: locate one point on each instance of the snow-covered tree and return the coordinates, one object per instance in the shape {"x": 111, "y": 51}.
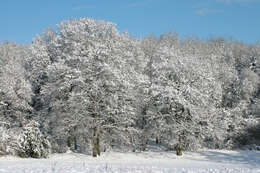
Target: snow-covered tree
{"x": 15, "y": 89}
{"x": 32, "y": 143}
{"x": 91, "y": 80}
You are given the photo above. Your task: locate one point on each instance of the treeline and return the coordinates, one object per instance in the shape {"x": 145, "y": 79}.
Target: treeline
{"x": 89, "y": 88}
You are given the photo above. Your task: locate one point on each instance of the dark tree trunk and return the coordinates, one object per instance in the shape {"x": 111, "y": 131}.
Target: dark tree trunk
{"x": 179, "y": 150}
{"x": 157, "y": 140}
{"x": 94, "y": 153}
{"x": 180, "y": 144}
{"x": 144, "y": 145}
{"x": 68, "y": 142}
{"x": 75, "y": 144}
{"x": 96, "y": 136}
{"x": 96, "y": 143}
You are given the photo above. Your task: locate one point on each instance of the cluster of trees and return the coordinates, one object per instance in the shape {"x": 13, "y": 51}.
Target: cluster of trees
{"x": 87, "y": 87}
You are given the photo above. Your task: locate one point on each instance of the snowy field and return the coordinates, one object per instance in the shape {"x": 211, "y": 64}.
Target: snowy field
{"x": 210, "y": 161}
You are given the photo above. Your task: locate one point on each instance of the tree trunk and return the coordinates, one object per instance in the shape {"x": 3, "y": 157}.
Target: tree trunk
{"x": 144, "y": 144}
{"x": 179, "y": 145}
{"x": 68, "y": 143}
{"x": 96, "y": 136}
{"x": 75, "y": 144}
{"x": 96, "y": 143}
{"x": 94, "y": 152}
{"x": 75, "y": 139}
{"x": 157, "y": 140}
{"x": 179, "y": 150}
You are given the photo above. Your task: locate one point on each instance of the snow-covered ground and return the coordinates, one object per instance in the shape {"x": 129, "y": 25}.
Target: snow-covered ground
{"x": 210, "y": 161}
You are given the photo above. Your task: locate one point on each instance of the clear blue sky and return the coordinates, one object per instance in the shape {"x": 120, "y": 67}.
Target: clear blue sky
{"x": 21, "y": 20}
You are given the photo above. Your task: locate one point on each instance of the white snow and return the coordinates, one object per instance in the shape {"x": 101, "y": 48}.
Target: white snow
{"x": 210, "y": 161}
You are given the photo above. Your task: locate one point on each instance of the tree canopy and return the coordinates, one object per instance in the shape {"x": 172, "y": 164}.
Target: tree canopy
{"x": 91, "y": 88}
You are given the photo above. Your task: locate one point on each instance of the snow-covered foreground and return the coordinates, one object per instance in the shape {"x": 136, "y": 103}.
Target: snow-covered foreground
{"x": 211, "y": 161}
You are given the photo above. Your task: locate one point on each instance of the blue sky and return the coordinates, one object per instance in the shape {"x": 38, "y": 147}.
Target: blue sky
{"x": 21, "y": 20}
